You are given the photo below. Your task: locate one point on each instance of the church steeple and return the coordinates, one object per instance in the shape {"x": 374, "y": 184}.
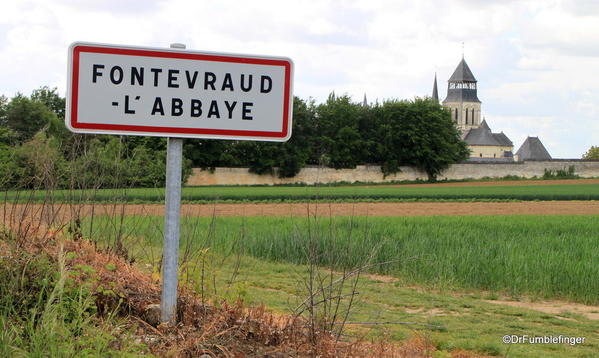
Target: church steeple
{"x": 462, "y": 99}
{"x": 435, "y": 92}
{"x": 461, "y": 86}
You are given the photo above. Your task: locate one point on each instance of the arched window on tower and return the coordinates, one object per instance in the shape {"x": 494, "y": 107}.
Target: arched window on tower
{"x": 473, "y": 116}
{"x": 466, "y": 115}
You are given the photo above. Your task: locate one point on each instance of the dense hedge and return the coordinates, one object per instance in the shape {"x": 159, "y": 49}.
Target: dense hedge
{"x": 37, "y": 150}
{"x": 342, "y": 134}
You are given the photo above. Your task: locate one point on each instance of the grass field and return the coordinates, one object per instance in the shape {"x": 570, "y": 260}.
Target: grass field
{"x": 449, "y": 319}
{"x": 448, "y": 268}
{"x": 326, "y": 193}
{"x": 441, "y": 271}
{"x": 45, "y": 315}
{"x": 540, "y": 256}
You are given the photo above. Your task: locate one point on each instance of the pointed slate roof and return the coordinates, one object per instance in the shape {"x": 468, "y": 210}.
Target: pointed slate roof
{"x": 485, "y": 125}
{"x": 457, "y": 92}
{"x": 462, "y": 73}
{"x": 480, "y": 136}
{"x": 503, "y": 139}
{"x": 483, "y": 136}
{"x": 533, "y": 149}
{"x": 365, "y": 102}
{"x": 435, "y": 92}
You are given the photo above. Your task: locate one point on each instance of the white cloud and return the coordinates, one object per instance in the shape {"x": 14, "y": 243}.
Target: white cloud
{"x": 534, "y": 59}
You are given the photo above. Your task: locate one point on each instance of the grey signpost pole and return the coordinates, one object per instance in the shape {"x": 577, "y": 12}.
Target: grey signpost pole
{"x": 172, "y": 212}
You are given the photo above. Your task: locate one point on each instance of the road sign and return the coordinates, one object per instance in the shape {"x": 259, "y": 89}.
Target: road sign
{"x": 128, "y": 90}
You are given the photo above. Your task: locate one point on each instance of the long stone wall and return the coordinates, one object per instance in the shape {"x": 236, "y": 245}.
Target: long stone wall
{"x": 371, "y": 173}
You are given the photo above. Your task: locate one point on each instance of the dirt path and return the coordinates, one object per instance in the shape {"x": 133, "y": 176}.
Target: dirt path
{"x": 556, "y": 308}
{"x": 60, "y": 212}
{"x": 503, "y": 183}
{"x": 553, "y": 307}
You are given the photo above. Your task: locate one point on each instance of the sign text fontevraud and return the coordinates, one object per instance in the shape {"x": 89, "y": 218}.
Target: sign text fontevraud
{"x": 177, "y": 93}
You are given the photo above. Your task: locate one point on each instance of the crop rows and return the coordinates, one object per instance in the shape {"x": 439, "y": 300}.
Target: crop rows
{"x": 543, "y": 256}
{"x": 329, "y": 193}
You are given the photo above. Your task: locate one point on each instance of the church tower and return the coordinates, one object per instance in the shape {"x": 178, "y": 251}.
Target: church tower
{"x": 461, "y": 99}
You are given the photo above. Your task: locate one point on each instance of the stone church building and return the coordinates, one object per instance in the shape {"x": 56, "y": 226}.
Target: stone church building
{"x": 465, "y": 108}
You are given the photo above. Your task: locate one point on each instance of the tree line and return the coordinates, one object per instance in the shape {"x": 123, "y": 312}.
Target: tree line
{"x": 37, "y": 150}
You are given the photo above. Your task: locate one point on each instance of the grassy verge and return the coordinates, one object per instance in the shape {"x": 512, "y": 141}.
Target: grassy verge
{"x": 543, "y": 256}
{"x": 328, "y": 193}
{"x": 44, "y": 313}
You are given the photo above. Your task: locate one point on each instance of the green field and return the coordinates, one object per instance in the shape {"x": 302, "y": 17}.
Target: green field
{"x": 539, "y": 256}
{"x": 445, "y": 267}
{"x": 324, "y": 193}
{"x": 42, "y": 317}
{"x": 449, "y": 319}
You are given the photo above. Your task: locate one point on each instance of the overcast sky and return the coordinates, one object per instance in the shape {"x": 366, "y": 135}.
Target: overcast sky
{"x": 536, "y": 62}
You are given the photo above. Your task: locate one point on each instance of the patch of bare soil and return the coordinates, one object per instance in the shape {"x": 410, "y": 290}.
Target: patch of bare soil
{"x": 380, "y": 278}
{"x": 62, "y": 213}
{"x": 428, "y": 312}
{"x": 502, "y": 183}
{"x": 553, "y": 307}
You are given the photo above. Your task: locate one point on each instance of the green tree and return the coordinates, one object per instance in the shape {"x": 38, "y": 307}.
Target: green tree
{"x": 419, "y": 133}
{"x": 337, "y": 139}
{"x": 107, "y": 162}
{"x": 3, "y": 103}
{"x": 25, "y": 117}
{"x": 41, "y": 163}
{"x": 592, "y": 153}
{"x": 8, "y": 136}
{"x": 51, "y": 99}
{"x": 296, "y": 152}
{"x": 209, "y": 153}
{"x": 284, "y": 159}
{"x": 11, "y": 172}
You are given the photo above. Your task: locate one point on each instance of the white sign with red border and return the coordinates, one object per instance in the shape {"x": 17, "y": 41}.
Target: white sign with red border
{"x": 128, "y": 90}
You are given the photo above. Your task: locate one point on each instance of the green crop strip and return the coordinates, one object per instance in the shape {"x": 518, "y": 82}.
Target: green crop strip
{"x": 541, "y": 256}
{"x": 326, "y": 193}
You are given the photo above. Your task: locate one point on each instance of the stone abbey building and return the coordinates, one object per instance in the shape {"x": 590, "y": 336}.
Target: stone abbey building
{"x": 465, "y": 108}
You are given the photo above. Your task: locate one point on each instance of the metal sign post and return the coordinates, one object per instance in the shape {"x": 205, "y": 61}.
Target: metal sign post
{"x": 172, "y": 213}
{"x": 128, "y": 90}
